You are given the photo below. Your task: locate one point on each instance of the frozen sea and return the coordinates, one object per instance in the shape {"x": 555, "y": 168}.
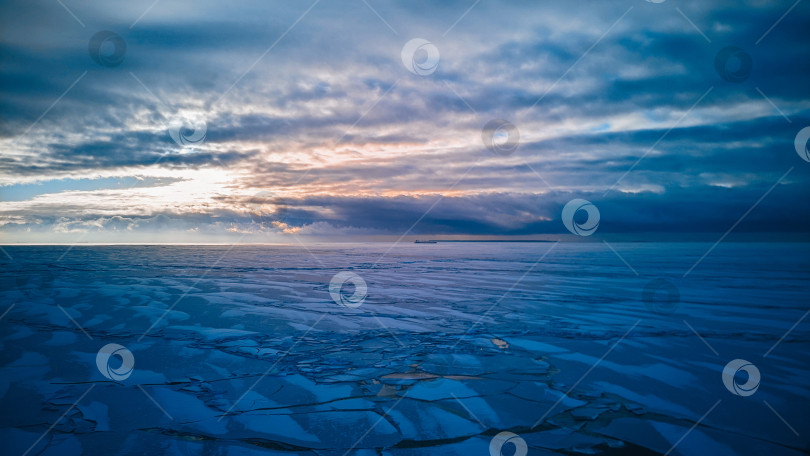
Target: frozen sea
{"x": 242, "y": 350}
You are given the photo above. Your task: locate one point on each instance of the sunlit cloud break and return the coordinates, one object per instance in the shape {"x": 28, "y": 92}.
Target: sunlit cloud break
{"x": 121, "y": 126}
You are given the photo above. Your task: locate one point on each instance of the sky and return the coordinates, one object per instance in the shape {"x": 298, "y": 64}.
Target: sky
{"x": 164, "y": 121}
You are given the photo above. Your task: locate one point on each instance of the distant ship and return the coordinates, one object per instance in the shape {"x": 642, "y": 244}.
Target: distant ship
{"x": 425, "y": 242}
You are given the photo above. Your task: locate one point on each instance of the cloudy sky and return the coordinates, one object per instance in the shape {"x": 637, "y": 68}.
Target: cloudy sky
{"x": 166, "y": 121}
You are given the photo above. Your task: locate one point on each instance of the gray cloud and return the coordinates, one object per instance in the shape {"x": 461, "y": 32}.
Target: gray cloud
{"x": 330, "y": 111}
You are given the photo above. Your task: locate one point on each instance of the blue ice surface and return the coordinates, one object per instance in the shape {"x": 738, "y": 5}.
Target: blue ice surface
{"x": 243, "y": 351}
